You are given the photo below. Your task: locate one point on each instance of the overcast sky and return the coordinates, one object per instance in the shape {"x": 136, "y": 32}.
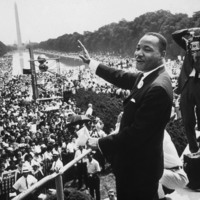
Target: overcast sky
{"x": 44, "y": 19}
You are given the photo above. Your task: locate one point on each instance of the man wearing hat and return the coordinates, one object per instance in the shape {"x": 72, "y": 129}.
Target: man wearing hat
{"x": 37, "y": 171}
{"x": 57, "y": 163}
{"x": 24, "y": 182}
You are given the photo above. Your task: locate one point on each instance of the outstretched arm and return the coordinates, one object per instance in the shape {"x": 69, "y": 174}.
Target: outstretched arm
{"x": 85, "y": 55}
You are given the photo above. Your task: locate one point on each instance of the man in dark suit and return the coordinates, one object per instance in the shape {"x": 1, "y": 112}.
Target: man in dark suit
{"x": 136, "y": 152}
{"x": 189, "y": 84}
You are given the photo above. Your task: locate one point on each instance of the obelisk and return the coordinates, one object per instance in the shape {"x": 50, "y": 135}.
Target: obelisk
{"x": 19, "y": 41}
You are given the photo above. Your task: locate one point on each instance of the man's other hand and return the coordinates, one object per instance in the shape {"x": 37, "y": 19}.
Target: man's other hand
{"x": 85, "y": 55}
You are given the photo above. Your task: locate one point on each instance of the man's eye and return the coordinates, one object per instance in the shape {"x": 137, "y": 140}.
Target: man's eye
{"x": 147, "y": 49}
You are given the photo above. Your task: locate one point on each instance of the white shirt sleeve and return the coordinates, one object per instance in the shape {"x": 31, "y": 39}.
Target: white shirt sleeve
{"x": 94, "y": 64}
{"x": 98, "y": 169}
{"x": 171, "y": 158}
{"x": 16, "y": 185}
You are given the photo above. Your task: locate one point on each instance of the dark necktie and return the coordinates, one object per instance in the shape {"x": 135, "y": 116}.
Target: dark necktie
{"x": 26, "y": 182}
{"x": 81, "y": 153}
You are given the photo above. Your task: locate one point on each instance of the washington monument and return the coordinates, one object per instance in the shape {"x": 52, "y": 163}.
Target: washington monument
{"x": 19, "y": 40}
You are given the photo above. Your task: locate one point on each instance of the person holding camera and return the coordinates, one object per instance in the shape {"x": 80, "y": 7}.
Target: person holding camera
{"x": 189, "y": 82}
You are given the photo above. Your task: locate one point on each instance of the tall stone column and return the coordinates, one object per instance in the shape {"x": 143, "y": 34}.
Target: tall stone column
{"x": 19, "y": 41}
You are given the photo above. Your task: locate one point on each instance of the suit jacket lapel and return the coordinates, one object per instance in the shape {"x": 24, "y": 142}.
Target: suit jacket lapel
{"x": 146, "y": 81}
{"x": 153, "y": 75}
{"x": 134, "y": 87}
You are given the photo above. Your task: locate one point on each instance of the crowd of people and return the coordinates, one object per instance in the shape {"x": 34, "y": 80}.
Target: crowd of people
{"x": 36, "y": 137}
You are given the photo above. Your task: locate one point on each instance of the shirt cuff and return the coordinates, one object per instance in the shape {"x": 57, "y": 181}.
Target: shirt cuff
{"x": 94, "y": 64}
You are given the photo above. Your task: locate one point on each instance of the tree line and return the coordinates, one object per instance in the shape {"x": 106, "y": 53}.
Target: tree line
{"x": 121, "y": 38}
{"x": 3, "y": 49}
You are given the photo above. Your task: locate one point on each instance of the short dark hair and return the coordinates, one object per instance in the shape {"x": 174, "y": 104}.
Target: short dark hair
{"x": 162, "y": 40}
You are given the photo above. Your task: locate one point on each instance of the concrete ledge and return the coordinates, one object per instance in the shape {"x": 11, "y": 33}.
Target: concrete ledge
{"x": 184, "y": 194}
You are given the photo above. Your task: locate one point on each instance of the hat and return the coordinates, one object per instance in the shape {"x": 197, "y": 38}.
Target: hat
{"x": 43, "y": 146}
{"x": 111, "y": 191}
{"x": 25, "y": 169}
{"x": 10, "y": 149}
{"x": 55, "y": 153}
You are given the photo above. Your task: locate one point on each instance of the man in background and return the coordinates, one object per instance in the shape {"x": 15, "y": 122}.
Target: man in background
{"x": 93, "y": 170}
{"x": 111, "y": 195}
{"x": 189, "y": 82}
{"x": 173, "y": 176}
{"x": 25, "y": 182}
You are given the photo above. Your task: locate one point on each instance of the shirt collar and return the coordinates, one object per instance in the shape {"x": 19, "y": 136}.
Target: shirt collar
{"x": 145, "y": 74}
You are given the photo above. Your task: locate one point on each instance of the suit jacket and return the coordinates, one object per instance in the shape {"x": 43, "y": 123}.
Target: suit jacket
{"x": 136, "y": 152}
{"x": 188, "y": 60}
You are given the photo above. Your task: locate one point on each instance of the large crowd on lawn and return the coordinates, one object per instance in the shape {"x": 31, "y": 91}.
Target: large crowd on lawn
{"x": 35, "y": 134}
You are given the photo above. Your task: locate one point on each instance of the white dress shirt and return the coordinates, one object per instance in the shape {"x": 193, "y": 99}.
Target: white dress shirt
{"x": 22, "y": 184}
{"x": 57, "y": 165}
{"x": 93, "y": 166}
{"x": 171, "y": 157}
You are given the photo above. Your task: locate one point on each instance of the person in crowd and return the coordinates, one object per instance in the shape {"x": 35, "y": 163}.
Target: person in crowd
{"x": 71, "y": 149}
{"x": 57, "y": 163}
{"x": 174, "y": 176}
{"x": 24, "y": 182}
{"x": 136, "y": 152}
{"x": 111, "y": 195}
{"x": 89, "y": 111}
{"x": 12, "y": 165}
{"x": 81, "y": 168}
{"x": 4, "y": 195}
{"x": 38, "y": 157}
{"x": 189, "y": 82}
{"x": 28, "y": 160}
{"x": 48, "y": 153}
{"x": 37, "y": 171}
{"x": 93, "y": 170}
{"x": 19, "y": 169}
{"x": 97, "y": 132}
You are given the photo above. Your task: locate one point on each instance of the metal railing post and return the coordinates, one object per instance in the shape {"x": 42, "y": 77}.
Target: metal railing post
{"x": 59, "y": 187}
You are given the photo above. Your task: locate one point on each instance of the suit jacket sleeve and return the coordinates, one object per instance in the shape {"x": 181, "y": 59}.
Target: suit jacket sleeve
{"x": 150, "y": 118}
{"x": 117, "y": 77}
{"x": 177, "y": 36}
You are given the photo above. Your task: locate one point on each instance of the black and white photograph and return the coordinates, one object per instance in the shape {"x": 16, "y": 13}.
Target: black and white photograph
{"x": 99, "y": 100}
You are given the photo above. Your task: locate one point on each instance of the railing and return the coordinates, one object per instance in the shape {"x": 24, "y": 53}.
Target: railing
{"x": 56, "y": 176}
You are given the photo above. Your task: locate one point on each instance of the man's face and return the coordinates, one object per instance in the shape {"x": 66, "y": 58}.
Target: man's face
{"x": 147, "y": 54}
{"x": 25, "y": 174}
{"x": 55, "y": 157}
{"x": 111, "y": 195}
